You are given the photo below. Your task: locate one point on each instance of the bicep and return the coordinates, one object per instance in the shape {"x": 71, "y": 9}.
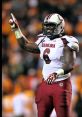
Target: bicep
{"x": 68, "y": 56}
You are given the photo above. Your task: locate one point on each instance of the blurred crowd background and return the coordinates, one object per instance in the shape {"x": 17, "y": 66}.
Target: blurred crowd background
{"x": 21, "y": 71}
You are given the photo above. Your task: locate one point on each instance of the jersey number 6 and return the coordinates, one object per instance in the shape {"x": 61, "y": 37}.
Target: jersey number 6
{"x": 45, "y": 56}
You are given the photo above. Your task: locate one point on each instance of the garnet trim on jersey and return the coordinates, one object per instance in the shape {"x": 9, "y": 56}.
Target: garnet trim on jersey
{"x": 42, "y": 39}
{"x": 65, "y": 42}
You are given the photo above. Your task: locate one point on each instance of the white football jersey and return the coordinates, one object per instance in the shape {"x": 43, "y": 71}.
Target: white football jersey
{"x": 51, "y": 51}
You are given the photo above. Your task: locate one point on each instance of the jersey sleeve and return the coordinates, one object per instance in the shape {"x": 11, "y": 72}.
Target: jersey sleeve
{"x": 73, "y": 43}
{"x": 39, "y": 40}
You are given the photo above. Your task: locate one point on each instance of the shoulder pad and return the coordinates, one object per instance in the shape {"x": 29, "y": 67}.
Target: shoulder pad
{"x": 72, "y": 42}
{"x": 40, "y": 39}
{"x": 71, "y": 39}
{"x": 41, "y": 35}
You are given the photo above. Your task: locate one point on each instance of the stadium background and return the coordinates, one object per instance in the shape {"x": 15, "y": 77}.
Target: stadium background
{"x": 21, "y": 71}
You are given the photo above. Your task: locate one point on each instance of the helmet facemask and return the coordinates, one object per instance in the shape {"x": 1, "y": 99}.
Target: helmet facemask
{"x": 50, "y": 29}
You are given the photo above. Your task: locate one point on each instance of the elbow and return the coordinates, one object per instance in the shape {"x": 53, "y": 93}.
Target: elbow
{"x": 31, "y": 50}
{"x": 22, "y": 46}
{"x": 68, "y": 68}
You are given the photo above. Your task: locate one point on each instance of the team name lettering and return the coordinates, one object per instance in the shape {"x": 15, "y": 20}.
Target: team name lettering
{"x": 48, "y": 45}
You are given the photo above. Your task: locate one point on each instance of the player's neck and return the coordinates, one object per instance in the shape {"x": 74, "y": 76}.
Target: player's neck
{"x": 57, "y": 36}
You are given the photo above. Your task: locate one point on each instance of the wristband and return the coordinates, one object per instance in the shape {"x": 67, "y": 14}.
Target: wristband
{"x": 18, "y": 34}
{"x": 60, "y": 72}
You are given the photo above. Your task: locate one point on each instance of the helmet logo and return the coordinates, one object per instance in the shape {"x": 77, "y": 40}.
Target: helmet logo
{"x": 60, "y": 20}
{"x": 48, "y": 17}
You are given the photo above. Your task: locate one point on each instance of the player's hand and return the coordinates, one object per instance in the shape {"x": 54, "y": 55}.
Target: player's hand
{"x": 13, "y": 23}
{"x": 52, "y": 77}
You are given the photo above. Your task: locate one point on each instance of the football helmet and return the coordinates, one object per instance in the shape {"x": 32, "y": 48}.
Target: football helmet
{"x": 53, "y": 25}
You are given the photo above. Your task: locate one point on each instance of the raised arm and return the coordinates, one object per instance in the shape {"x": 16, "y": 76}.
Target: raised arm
{"x": 22, "y": 40}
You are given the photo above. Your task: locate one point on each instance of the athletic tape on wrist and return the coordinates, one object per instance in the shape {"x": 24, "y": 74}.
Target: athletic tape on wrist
{"x": 18, "y": 34}
{"x": 60, "y": 72}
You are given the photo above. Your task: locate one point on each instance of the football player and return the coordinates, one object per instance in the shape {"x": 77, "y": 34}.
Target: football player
{"x": 58, "y": 52}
